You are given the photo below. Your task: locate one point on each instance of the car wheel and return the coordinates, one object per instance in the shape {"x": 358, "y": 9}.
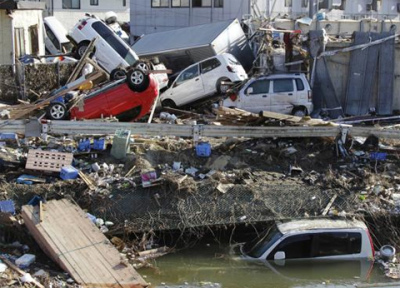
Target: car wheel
{"x": 80, "y": 50}
{"x": 143, "y": 66}
{"x": 118, "y": 74}
{"x": 168, "y": 103}
{"x": 299, "y": 112}
{"x": 57, "y": 111}
{"x": 222, "y": 88}
{"x": 137, "y": 80}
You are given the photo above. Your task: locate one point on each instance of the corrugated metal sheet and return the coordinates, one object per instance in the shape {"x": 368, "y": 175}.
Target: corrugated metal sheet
{"x": 181, "y": 39}
{"x": 386, "y": 76}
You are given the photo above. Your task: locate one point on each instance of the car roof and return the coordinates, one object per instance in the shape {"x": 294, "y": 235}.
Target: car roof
{"x": 279, "y": 76}
{"x": 57, "y": 28}
{"x": 319, "y": 224}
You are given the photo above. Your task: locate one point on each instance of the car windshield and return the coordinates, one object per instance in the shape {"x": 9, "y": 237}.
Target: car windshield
{"x": 262, "y": 243}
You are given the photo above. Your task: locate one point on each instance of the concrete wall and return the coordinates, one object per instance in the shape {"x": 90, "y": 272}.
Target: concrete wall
{"x": 5, "y": 38}
{"x": 69, "y": 17}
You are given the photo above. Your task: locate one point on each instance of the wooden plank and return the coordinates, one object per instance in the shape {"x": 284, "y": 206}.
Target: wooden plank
{"x": 329, "y": 205}
{"x": 79, "y": 247}
{"x": 47, "y": 160}
{"x": 82, "y": 61}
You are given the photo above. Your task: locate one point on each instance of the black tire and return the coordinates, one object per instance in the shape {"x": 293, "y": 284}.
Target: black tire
{"x": 168, "y": 103}
{"x": 57, "y": 111}
{"x": 299, "y": 112}
{"x": 137, "y": 80}
{"x": 118, "y": 74}
{"x": 80, "y": 49}
{"x": 222, "y": 89}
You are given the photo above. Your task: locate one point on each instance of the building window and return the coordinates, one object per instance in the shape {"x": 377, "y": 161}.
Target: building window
{"x": 304, "y": 3}
{"x": 180, "y": 3}
{"x": 19, "y": 42}
{"x": 33, "y": 34}
{"x": 94, "y": 2}
{"x": 288, "y": 3}
{"x": 201, "y": 3}
{"x": 323, "y": 4}
{"x": 71, "y": 4}
{"x": 124, "y": 3}
{"x": 219, "y": 3}
{"x": 160, "y": 3}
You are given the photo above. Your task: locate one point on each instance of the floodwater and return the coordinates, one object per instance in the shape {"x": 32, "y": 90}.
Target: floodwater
{"x": 211, "y": 266}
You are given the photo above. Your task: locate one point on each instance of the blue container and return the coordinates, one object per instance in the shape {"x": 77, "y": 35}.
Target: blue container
{"x": 68, "y": 172}
{"x": 7, "y": 206}
{"x": 84, "y": 145}
{"x": 8, "y": 136}
{"x": 99, "y": 144}
{"x": 203, "y": 149}
{"x": 378, "y": 156}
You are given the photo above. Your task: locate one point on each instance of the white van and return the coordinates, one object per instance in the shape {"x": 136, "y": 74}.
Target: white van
{"x": 280, "y": 93}
{"x": 203, "y": 79}
{"x": 55, "y": 40}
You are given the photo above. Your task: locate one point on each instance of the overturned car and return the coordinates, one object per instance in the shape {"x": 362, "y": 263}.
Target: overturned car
{"x": 126, "y": 99}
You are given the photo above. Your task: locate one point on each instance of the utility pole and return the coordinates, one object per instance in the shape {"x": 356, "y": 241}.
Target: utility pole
{"x": 313, "y": 8}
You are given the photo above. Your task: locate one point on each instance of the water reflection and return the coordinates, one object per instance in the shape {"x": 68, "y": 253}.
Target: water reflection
{"x": 209, "y": 266}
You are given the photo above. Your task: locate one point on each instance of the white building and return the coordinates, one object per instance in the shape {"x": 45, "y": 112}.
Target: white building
{"x": 68, "y": 12}
{"x": 149, "y": 16}
{"x": 21, "y": 30}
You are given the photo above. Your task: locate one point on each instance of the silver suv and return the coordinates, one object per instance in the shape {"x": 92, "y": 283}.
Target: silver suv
{"x": 312, "y": 239}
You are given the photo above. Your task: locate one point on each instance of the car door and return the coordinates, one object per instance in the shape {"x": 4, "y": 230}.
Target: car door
{"x": 255, "y": 97}
{"x": 209, "y": 74}
{"x": 188, "y": 87}
{"x": 283, "y": 95}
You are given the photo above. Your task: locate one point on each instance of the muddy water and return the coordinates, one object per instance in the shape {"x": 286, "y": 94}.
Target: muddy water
{"x": 210, "y": 266}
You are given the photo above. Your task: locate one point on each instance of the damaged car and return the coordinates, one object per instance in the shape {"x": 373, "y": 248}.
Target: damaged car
{"x": 126, "y": 99}
{"x": 312, "y": 239}
{"x": 203, "y": 79}
{"x": 112, "y": 53}
{"x": 280, "y": 93}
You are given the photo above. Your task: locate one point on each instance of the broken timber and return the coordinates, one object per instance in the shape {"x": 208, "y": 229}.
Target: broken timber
{"x": 72, "y": 241}
{"x": 100, "y": 128}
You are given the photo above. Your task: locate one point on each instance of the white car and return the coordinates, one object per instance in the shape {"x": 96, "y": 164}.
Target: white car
{"x": 112, "y": 53}
{"x": 281, "y": 93}
{"x": 322, "y": 239}
{"x": 55, "y": 39}
{"x": 203, "y": 79}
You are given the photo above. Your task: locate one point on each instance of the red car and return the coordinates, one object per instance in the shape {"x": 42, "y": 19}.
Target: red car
{"x": 128, "y": 99}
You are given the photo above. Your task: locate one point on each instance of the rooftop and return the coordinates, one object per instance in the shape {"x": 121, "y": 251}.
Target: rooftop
{"x": 315, "y": 224}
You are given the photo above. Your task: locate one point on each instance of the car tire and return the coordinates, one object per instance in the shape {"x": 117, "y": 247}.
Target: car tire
{"x": 143, "y": 66}
{"x": 118, "y": 74}
{"x": 168, "y": 103}
{"x": 299, "y": 112}
{"x": 138, "y": 80}
{"x": 221, "y": 88}
{"x": 80, "y": 50}
{"x": 57, "y": 111}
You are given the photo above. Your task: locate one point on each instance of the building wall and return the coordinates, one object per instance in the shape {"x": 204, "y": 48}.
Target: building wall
{"x": 25, "y": 19}
{"x": 22, "y": 19}
{"x": 146, "y": 20}
{"x": 69, "y": 17}
{"x": 5, "y": 38}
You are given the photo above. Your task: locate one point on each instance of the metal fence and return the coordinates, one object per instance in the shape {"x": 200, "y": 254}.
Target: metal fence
{"x": 27, "y": 81}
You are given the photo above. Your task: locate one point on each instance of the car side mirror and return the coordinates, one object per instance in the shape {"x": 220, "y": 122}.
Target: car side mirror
{"x": 280, "y": 255}
{"x": 249, "y": 91}
{"x": 175, "y": 85}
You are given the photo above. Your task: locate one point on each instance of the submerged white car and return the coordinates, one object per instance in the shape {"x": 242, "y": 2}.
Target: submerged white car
{"x": 280, "y": 93}
{"x": 203, "y": 79}
{"x": 322, "y": 239}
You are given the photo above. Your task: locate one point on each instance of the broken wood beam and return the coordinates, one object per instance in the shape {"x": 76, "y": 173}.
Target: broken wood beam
{"x": 330, "y": 203}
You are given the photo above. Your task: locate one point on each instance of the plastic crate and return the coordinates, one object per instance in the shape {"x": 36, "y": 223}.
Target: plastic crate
{"x": 68, "y": 172}
{"x": 381, "y": 156}
{"x": 84, "y": 145}
{"x": 99, "y": 144}
{"x": 203, "y": 149}
{"x": 7, "y": 206}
